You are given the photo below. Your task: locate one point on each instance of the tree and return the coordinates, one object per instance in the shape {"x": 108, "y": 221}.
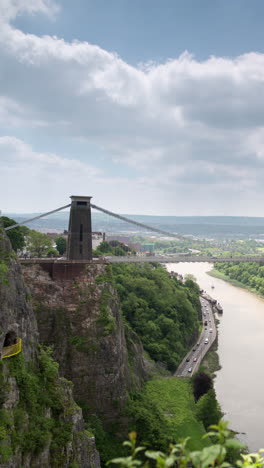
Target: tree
{"x": 104, "y": 247}
{"x": 16, "y": 235}
{"x": 38, "y": 244}
{"x": 52, "y": 252}
{"x": 158, "y": 309}
{"x": 61, "y": 244}
{"x": 202, "y": 383}
{"x": 208, "y": 409}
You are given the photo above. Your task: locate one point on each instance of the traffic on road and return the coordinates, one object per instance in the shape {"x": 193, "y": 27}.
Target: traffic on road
{"x": 193, "y": 359}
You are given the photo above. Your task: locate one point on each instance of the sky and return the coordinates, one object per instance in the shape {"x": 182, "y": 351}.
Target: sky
{"x": 149, "y": 106}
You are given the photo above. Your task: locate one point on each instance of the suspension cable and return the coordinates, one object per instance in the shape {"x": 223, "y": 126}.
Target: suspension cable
{"x": 37, "y": 217}
{"x": 136, "y": 223}
{"x": 103, "y": 210}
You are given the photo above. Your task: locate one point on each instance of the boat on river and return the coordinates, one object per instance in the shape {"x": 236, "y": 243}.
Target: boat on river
{"x": 219, "y": 308}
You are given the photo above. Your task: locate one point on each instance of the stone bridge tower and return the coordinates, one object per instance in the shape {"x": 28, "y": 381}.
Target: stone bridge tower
{"x": 80, "y": 229}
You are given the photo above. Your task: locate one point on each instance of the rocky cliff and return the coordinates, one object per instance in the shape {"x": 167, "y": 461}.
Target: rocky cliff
{"x": 40, "y": 424}
{"x": 81, "y": 321}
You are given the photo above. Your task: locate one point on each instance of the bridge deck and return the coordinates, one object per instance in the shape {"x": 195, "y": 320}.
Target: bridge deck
{"x": 186, "y": 259}
{"x": 147, "y": 259}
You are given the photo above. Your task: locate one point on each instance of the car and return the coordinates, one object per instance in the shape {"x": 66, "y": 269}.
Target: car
{"x": 198, "y": 344}
{"x": 194, "y": 350}
{"x": 195, "y": 359}
{"x": 205, "y": 328}
{"x": 188, "y": 359}
{"x": 190, "y": 369}
{"x": 210, "y": 330}
{"x": 206, "y": 341}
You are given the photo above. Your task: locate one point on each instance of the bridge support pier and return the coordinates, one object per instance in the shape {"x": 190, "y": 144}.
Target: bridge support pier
{"x": 80, "y": 229}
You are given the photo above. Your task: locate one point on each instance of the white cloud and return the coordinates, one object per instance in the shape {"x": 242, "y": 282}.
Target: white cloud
{"x": 184, "y": 125}
{"x": 9, "y": 9}
{"x": 15, "y": 152}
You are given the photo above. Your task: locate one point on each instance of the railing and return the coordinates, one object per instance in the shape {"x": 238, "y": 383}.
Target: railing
{"x": 9, "y": 351}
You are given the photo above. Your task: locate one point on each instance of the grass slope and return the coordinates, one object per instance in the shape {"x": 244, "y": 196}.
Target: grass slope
{"x": 174, "y": 398}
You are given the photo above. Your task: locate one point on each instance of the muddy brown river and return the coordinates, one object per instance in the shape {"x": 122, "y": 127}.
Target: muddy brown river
{"x": 239, "y": 384}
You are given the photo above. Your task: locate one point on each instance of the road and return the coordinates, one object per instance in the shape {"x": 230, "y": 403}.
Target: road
{"x": 192, "y": 360}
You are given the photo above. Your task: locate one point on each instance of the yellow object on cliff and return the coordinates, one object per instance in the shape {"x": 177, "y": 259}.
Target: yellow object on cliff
{"x": 9, "y": 351}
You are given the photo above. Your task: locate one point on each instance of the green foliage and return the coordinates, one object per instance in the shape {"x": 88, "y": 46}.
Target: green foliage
{"x": 32, "y": 427}
{"x": 38, "y": 244}
{"x": 161, "y": 310}
{"x": 107, "y": 442}
{"x": 83, "y": 344}
{"x": 179, "y": 455}
{"x": 4, "y": 269}
{"x": 61, "y": 244}
{"x": 5, "y": 427}
{"x": 148, "y": 420}
{"x": 113, "y": 248}
{"x": 164, "y": 412}
{"x": 48, "y": 367}
{"x": 207, "y": 409}
{"x": 106, "y": 277}
{"x": 106, "y": 320}
{"x": 52, "y": 252}
{"x": 201, "y": 383}
{"x": 16, "y": 235}
{"x": 250, "y": 274}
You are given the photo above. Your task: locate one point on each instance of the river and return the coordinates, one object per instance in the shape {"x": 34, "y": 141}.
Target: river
{"x": 239, "y": 384}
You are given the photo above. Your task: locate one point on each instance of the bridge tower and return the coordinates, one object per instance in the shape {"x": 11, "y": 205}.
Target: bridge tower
{"x": 80, "y": 229}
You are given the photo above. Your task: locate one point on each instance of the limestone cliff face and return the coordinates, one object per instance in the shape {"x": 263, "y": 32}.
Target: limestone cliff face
{"x": 40, "y": 424}
{"x": 16, "y": 315}
{"x": 81, "y": 321}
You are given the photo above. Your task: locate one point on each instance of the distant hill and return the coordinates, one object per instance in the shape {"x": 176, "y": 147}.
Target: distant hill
{"x": 198, "y": 226}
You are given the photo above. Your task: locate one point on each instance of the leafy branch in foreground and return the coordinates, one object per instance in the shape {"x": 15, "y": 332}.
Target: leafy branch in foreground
{"x": 225, "y": 452}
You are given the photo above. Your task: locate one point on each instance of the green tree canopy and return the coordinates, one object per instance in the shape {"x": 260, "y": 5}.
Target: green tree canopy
{"x": 16, "y": 235}
{"x": 160, "y": 309}
{"x": 61, "y": 244}
{"x": 38, "y": 244}
{"x": 208, "y": 409}
{"x": 113, "y": 248}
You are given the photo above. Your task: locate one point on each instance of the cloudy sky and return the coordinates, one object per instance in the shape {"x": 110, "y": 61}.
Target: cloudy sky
{"x": 149, "y": 106}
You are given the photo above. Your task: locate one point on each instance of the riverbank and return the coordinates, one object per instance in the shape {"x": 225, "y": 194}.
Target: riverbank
{"x": 218, "y": 274}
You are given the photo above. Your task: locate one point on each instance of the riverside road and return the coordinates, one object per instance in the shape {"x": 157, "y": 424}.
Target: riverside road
{"x": 193, "y": 359}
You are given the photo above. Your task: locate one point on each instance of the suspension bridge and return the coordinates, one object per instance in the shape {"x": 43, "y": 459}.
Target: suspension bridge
{"x": 79, "y": 246}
